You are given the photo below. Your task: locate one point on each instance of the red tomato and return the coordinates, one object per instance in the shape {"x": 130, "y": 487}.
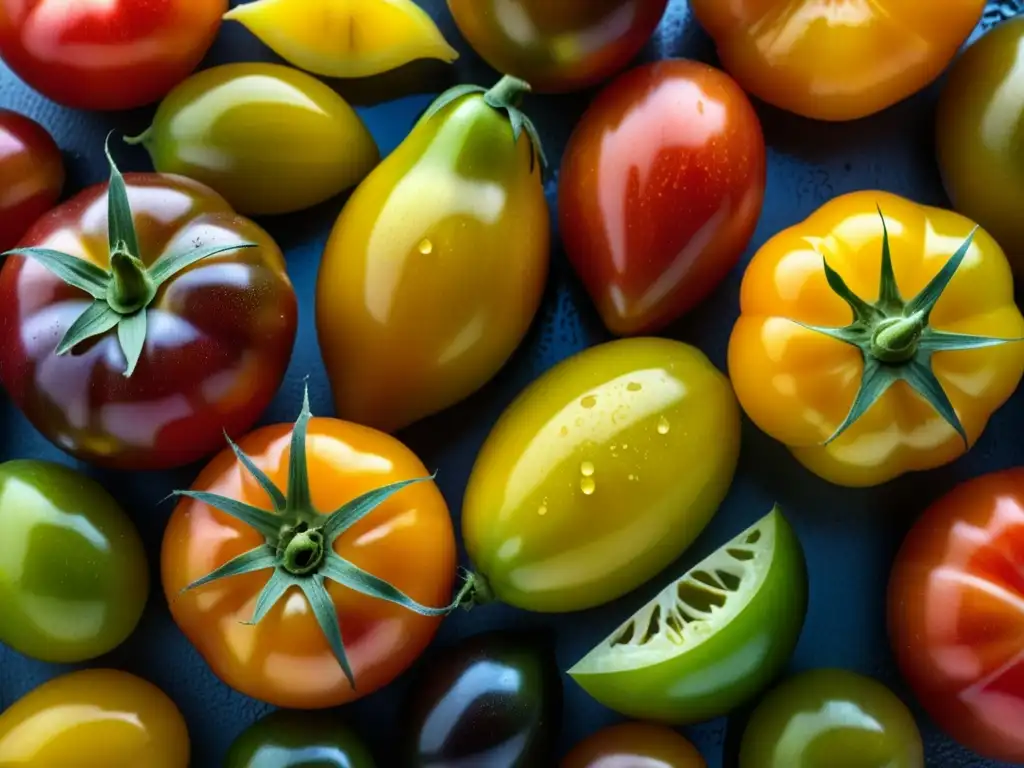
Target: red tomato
{"x": 106, "y": 54}
{"x": 661, "y": 188}
{"x": 956, "y": 613}
{"x": 635, "y": 745}
{"x": 31, "y": 175}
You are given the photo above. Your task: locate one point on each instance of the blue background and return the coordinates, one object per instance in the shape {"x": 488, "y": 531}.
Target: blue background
{"x": 850, "y": 537}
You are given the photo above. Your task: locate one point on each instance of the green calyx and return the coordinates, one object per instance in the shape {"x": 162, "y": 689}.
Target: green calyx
{"x": 299, "y": 544}
{"x": 123, "y": 292}
{"x": 895, "y": 338}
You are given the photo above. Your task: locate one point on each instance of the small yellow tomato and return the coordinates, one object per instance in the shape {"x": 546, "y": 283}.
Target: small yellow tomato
{"x": 96, "y": 718}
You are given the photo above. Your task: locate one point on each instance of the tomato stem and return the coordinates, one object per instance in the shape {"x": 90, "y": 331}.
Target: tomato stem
{"x": 895, "y": 340}
{"x": 142, "y": 138}
{"x": 508, "y": 92}
{"x": 304, "y": 553}
{"x": 130, "y": 288}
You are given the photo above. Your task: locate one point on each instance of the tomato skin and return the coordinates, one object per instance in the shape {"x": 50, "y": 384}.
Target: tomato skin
{"x": 31, "y": 175}
{"x": 660, "y": 191}
{"x": 635, "y": 745}
{"x": 285, "y": 739}
{"x": 95, "y": 718}
{"x": 836, "y": 61}
{"x": 956, "y": 613}
{"x": 608, "y": 430}
{"x": 110, "y": 55}
{"x": 558, "y": 47}
{"x": 219, "y": 339}
{"x": 285, "y": 659}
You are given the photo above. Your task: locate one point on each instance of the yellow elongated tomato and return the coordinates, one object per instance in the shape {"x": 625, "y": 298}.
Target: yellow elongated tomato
{"x": 345, "y": 38}
{"x": 436, "y": 266}
{"x": 836, "y": 59}
{"x": 599, "y": 475}
{"x": 96, "y": 718}
{"x": 862, "y": 392}
{"x": 269, "y": 138}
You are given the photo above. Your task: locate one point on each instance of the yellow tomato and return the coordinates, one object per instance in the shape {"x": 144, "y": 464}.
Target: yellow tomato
{"x": 799, "y": 385}
{"x": 97, "y": 718}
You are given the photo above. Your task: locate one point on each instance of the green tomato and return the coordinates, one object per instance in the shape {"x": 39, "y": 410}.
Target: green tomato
{"x": 830, "y": 718}
{"x": 270, "y": 139}
{"x": 710, "y": 640}
{"x": 73, "y": 574}
{"x": 600, "y": 474}
{"x": 287, "y": 739}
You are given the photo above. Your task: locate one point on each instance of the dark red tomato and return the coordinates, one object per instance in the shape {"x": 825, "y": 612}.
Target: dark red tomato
{"x": 31, "y": 175}
{"x": 660, "y": 191}
{"x": 106, "y": 54}
{"x": 956, "y": 613}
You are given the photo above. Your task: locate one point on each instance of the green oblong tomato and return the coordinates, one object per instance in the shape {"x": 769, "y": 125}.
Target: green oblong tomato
{"x": 600, "y": 474}
{"x": 73, "y": 573}
{"x": 269, "y": 138}
{"x": 291, "y": 739}
{"x": 831, "y": 718}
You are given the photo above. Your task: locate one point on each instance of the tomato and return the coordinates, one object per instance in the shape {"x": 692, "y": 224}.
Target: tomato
{"x": 561, "y": 46}
{"x": 436, "y": 266}
{"x": 981, "y": 133}
{"x": 73, "y": 574}
{"x": 341, "y": 542}
{"x": 114, "y": 54}
{"x": 134, "y": 344}
{"x": 95, "y": 718}
{"x": 493, "y": 699}
{"x": 836, "y": 61}
{"x": 911, "y": 383}
{"x": 660, "y": 191}
{"x": 285, "y": 739}
{"x": 956, "y": 613}
{"x": 635, "y": 745}
{"x": 31, "y": 175}
{"x": 269, "y": 138}
{"x": 600, "y": 474}
{"x": 814, "y": 718}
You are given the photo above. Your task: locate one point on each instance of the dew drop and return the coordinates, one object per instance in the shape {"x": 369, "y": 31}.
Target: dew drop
{"x": 634, "y": 386}
{"x": 563, "y": 431}
{"x": 588, "y": 486}
{"x": 589, "y": 401}
{"x": 587, "y": 468}
{"x": 426, "y": 247}
{"x": 542, "y": 510}
{"x": 663, "y": 426}
{"x": 633, "y": 478}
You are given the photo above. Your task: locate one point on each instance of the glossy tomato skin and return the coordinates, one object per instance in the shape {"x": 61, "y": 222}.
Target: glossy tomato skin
{"x": 495, "y": 699}
{"x": 635, "y": 745}
{"x": 109, "y": 55}
{"x": 956, "y": 613}
{"x": 660, "y": 191}
{"x": 31, "y": 175}
{"x": 558, "y": 46}
{"x": 812, "y": 719}
{"x": 69, "y": 551}
{"x": 600, "y": 474}
{"x": 219, "y": 338}
{"x": 285, "y": 659}
{"x": 981, "y": 133}
{"x": 288, "y": 739}
{"x": 95, "y": 718}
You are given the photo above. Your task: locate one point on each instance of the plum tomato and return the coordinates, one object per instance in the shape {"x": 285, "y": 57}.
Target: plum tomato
{"x": 635, "y": 745}
{"x": 31, "y": 175}
{"x": 290, "y": 739}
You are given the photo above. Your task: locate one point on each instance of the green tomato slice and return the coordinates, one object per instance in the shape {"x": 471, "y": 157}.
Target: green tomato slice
{"x": 712, "y": 639}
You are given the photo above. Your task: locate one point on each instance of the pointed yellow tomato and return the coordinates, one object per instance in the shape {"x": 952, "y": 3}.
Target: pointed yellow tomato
{"x": 345, "y": 38}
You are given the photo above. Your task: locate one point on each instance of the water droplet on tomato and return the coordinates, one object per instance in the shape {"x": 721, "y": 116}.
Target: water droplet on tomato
{"x": 426, "y": 247}
{"x": 663, "y": 426}
{"x": 589, "y": 401}
{"x": 634, "y": 386}
{"x": 588, "y": 486}
{"x": 587, "y": 469}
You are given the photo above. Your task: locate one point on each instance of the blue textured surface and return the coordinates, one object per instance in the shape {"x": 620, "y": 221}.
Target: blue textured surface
{"x": 850, "y": 536}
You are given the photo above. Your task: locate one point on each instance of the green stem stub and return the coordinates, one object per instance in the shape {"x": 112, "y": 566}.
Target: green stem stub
{"x": 123, "y": 292}
{"x": 895, "y": 338}
{"x": 299, "y": 544}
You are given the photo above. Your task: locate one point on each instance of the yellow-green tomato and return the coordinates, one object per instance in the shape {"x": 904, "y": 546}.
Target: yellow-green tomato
{"x": 269, "y": 138}
{"x": 600, "y": 474}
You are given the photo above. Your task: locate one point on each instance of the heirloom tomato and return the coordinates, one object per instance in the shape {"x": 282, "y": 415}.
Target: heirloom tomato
{"x": 297, "y": 562}
{"x": 815, "y": 719}
{"x": 660, "y": 191}
{"x": 286, "y": 739}
{"x": 981, "y": 135}
{"x": 437, "y": 264}
{"x": 956, "y": 613}
{"x": 31, "y": 175}
{"x": 141, "y": 319}
{"x": 873, "y": 337}
{"x": 95, "y": 718}
{"x": 558, "y": 46}
{"x": 112, "y": 54}
{"x": 837, "y": 60}
{"x": 73, "y": 573}
{"x": 599, "y": 475}
{"x": 635, "y": 745}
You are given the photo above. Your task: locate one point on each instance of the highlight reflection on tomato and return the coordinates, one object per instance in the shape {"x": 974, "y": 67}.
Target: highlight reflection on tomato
{"x": 635, "y": 745}
{"x": 31, "y": 175}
